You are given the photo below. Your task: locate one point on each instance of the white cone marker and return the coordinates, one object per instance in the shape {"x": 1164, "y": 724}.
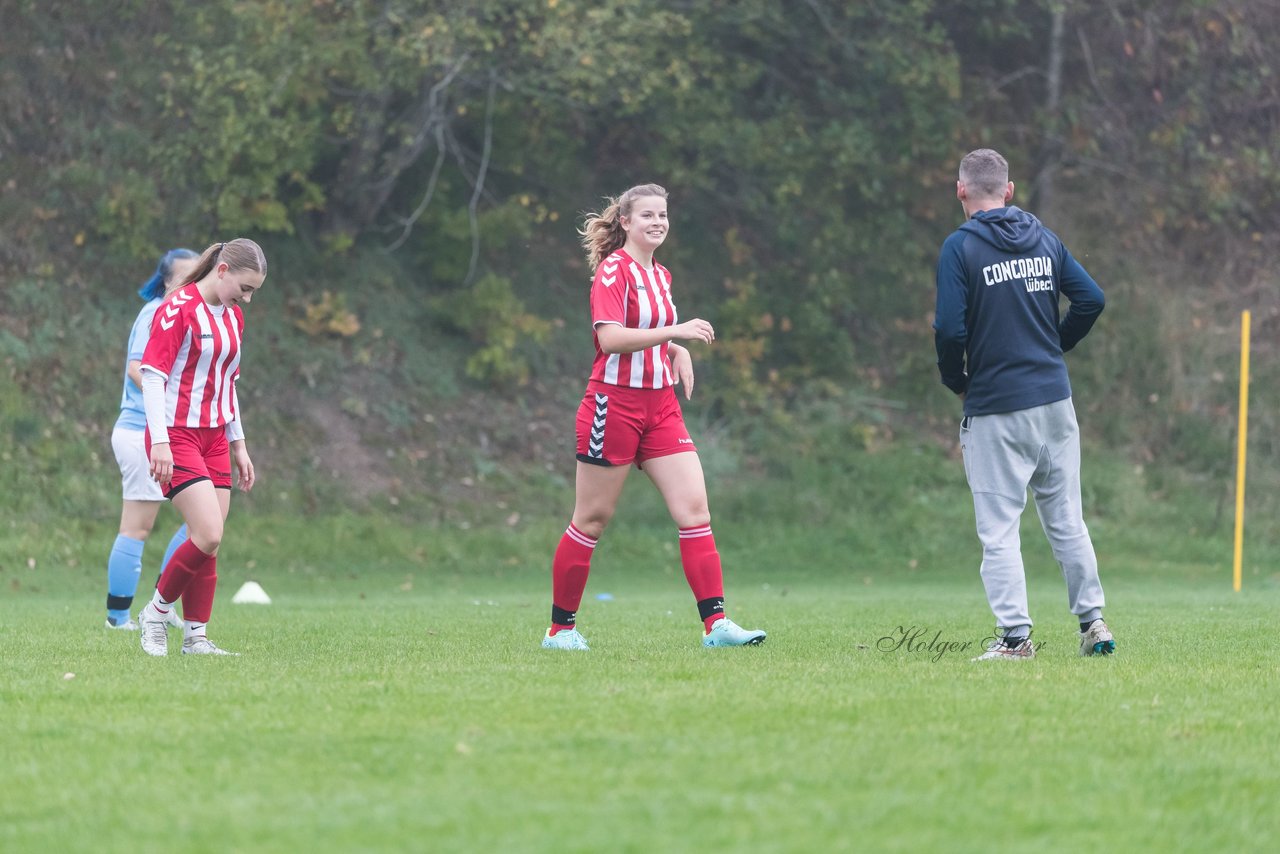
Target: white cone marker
{"x": 251, "y": 593}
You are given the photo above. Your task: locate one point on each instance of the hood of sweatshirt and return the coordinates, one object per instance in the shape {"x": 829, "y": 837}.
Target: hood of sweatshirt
{"x": 1008, "y": 229}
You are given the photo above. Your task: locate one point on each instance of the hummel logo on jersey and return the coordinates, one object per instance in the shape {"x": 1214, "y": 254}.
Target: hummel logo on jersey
{"x": 171, "y": 310}
{"x": 610, "y": 270}
{"x": 208, "y": 336}
{"x": 170, "y": 313}
{"x": 640, "y": 286}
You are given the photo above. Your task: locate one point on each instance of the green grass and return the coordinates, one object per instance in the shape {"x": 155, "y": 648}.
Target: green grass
{"x": 394, "y": 697}
{"x": 405, "y": 705}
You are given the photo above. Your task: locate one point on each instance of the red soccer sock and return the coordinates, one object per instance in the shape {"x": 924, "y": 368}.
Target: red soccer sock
{"x": 702, "y": 570}
{"x": 187, "y": 563}
{"x": 569, "y": 570}
{"x": 197, "y": 599}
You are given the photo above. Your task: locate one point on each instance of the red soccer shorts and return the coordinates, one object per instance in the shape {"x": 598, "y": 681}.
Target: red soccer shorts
{"x": 199, "y": 453}
{"x": 618, "y": 425}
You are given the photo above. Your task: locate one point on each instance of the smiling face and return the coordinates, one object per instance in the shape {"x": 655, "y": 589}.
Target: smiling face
{"x": 646, "y": 226}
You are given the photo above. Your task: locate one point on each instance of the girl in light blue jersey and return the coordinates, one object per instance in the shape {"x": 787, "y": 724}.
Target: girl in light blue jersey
{"x": 142, "y": 496}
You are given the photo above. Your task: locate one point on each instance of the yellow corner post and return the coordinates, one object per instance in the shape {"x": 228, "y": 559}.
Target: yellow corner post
{"x": 1242, "y": 444}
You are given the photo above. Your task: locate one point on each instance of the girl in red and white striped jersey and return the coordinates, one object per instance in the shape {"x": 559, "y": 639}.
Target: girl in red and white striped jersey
{"x": 630, "y": 414}
{"x": 189, "y": 373}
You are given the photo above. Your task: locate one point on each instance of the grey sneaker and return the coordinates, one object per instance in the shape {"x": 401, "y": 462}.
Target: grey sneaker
{"x": 154, "y": 639}
{"x": 201, "y": 645}
{"x": 1000, "y": 650}
{"x": 1097, "y": 640}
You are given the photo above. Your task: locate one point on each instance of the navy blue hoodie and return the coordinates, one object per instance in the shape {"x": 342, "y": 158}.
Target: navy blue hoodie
{"x": 999, "y": 278}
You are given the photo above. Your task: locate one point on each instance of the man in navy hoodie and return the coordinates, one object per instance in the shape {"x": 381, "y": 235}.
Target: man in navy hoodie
{"x": 1000, "y": 340}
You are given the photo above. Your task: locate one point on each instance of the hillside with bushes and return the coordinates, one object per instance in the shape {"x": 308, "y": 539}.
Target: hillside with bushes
{"x": 416, "y": 171}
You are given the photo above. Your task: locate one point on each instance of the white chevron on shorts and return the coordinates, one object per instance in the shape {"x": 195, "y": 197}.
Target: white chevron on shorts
{"x": 595, "y": 445}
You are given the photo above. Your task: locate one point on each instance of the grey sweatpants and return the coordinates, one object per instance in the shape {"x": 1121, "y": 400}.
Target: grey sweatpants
{"x": 1003, "y": 455}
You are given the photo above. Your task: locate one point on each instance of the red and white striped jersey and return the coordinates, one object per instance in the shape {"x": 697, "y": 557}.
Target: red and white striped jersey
{"x": 627, "y": 294}
{"x": 196, "y": 346}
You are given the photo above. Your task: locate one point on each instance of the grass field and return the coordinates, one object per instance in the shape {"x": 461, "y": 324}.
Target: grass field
{"x": 394, "y": 696}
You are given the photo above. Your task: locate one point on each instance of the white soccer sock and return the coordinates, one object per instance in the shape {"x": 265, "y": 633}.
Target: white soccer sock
{"x": 158, "y": 603}
{"x": 192, "y": 630}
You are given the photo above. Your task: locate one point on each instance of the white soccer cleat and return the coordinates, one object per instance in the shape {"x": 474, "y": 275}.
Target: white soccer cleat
{"x": 152, "y": 624}
{"x": 172, "y": 620}
{"x": 201, "y": 645}
{"x": 127, "y": 626}
{"x": 567, "y": 639}
{"x": 725, "y": 632}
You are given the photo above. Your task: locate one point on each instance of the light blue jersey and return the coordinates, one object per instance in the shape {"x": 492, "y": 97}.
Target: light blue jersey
{"x": 132, "y": 415}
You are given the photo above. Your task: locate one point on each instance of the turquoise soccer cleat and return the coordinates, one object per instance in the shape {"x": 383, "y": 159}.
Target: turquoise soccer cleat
{"x": 725, "y": 632}
{"x": 569, "y": 639}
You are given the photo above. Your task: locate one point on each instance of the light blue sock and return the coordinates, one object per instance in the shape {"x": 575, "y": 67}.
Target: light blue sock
{"x": 179, "y": 537}
{"x": 123, "y": 568}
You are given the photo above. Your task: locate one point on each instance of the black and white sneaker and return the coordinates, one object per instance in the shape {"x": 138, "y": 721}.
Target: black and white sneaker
{"x": 1097, "y": 640}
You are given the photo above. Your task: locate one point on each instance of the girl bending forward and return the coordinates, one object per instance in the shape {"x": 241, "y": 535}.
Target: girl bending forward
{"x": 189, "y": 373}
